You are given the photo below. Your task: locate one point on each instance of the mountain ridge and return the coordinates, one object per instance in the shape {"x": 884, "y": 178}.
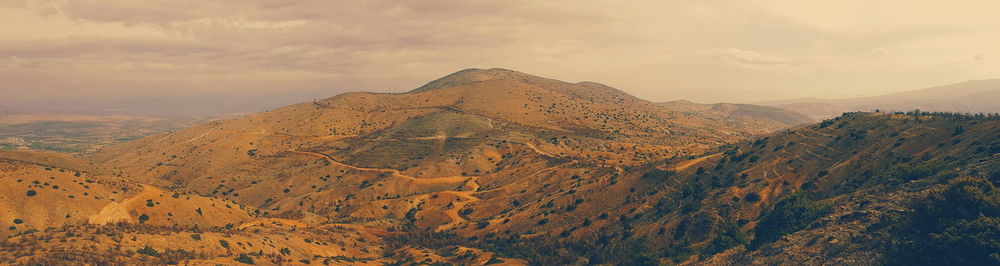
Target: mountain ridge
{"x": 973, "y": 96}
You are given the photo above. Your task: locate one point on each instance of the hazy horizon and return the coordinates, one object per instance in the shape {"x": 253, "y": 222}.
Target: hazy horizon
{"x": 191, "y": 58}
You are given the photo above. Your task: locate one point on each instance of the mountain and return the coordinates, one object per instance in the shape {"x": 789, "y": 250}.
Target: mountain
{"x": 395, "y": 161}
{"x": 769, "y": 117}
{"x": 454, "y": 126}
{"x": 976, "y": 96}
{"x": 373, "y": 157}
{"x": 501, "y": 167}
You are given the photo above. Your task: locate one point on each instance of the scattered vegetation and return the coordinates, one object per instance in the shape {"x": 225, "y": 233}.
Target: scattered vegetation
{"x": 956, "y": 225}
{"x": 788, "y": 215}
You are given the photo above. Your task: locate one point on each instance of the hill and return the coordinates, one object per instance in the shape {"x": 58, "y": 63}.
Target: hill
{"x": 771, "y": 118}
{"x": 497, "y": 166}
{"x": 57, "y": 209}
{"x": 372, "y": 157}
{"x": 976, "y": 96}
{"x": 820, "y": 193}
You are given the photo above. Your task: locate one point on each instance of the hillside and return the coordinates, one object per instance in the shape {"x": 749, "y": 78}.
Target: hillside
{"x": 975, "y": 96}
{"x": 787, "y": 198}
{"x": 497, "y": 166}
{"x": 56, "y": 210}
{"x": 372, "y": 157}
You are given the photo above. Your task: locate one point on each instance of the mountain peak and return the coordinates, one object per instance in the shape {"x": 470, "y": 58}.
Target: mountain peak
{"x": 469, "y": 76}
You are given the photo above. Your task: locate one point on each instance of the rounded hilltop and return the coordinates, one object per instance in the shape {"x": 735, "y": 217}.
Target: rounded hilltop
{"x": 472, "y": 75}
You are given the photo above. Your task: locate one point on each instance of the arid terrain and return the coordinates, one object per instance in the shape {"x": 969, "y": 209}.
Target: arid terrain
{"x": 495, "y": 166}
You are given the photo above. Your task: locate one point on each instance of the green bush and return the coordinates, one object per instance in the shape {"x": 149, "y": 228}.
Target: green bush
{"x": 728, "y": 236}
{"x": 916, "y": 170}
{"x": 149, "y": 251}
{"x": 243, "y": 258}
{"x": 957, "y": 225}
{"x": 788, "y": 216}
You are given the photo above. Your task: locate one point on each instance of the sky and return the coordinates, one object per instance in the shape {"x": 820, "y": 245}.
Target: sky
{"x": 196, "y": 56}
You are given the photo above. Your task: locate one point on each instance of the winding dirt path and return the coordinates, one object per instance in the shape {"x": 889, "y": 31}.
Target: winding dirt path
{"x": 686, "y": 164}
{"x": 392, "y": 172}
{"x": 465, "y": 197}
{"x": 268, "y": 133}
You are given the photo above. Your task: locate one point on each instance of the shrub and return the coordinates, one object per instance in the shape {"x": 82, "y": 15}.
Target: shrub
{"x": 31, "y": 193}
{"x": 243, "y": 258}
{"x": 143, "y": 218}
{"x": 196, "y": 237}
{"x": 957, "y": 225}
{"x": 788, "y": 216}
{"x": 916, "y": 170}
{"x": 751, "y": 197}
{"x": 149, "y": 251}
{"x": 729, "y": 236}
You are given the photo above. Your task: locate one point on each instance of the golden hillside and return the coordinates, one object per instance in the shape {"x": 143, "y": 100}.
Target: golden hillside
{"x": 372, "y": 157}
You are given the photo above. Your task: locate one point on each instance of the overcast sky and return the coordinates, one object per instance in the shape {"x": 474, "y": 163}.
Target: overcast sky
{"x": 89, "y": 52}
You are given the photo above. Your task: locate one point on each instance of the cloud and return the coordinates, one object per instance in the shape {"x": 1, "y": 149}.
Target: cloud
{"x": 743, "y": 57}
{"x": 125, "y": 48}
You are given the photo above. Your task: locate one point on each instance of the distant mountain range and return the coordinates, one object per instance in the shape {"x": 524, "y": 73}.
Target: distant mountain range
{"x": 975, "y": 96}
{"x": 743, "y": 112}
